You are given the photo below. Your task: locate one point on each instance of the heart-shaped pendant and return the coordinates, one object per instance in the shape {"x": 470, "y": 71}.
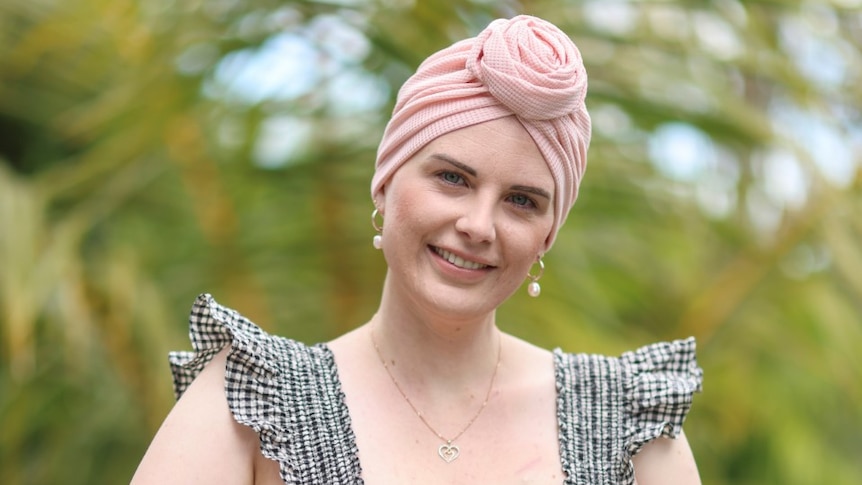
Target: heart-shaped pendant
{"x": 448, "y": 452}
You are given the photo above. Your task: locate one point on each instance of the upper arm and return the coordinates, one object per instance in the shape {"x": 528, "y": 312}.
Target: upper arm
{"x": 666, "y": 461}
{"x": 200, "y": 442}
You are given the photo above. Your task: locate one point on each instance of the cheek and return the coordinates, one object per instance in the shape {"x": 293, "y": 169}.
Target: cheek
{"x": 401, "y": 208}
{"x": 410, "y": 204}
{"x": 403, "y": 216}
{"x": 529, "y": 237}
{"x": 527, "y": 242}
{"x": 396, "y": 195}
{"x": 522, "y": 243}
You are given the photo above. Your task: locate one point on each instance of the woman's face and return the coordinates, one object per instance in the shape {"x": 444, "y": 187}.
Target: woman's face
{"x": 466, "y": 217}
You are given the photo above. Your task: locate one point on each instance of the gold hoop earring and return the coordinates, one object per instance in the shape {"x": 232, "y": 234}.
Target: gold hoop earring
{"x": 534, "y": 289}
{"x": 377, "y": 240}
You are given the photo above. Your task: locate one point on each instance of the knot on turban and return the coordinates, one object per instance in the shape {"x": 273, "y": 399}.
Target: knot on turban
{"x": 531, "y": 67}
{"x": 524, "y": 67}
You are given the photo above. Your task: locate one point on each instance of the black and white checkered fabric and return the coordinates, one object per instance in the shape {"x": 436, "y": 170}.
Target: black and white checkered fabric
{"x": 608, "y": 407}
{"x": 289, "y": 393}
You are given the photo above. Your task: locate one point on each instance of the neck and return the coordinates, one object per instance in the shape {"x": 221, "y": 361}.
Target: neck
{"x": 434, "y": 349}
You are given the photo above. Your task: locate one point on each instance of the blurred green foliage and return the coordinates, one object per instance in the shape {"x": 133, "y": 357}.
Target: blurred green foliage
{"x": 154, "y": 150}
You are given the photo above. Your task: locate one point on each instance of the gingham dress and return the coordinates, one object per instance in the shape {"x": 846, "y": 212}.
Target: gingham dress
{"x": 289, "y": 393}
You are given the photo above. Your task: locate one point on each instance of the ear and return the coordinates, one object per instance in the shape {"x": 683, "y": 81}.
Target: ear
{"x": 380, "y": 200}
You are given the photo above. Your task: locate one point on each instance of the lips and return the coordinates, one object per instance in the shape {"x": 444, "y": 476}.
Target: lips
{"x": 457, "y": 260}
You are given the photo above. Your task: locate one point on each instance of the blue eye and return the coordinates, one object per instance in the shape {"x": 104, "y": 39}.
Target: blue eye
{"x": 452, "y": 178}
{"x": 521, "y": 200}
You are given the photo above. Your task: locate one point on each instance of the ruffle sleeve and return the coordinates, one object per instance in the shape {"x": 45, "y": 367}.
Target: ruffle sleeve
{"x": 609, "y": 407}
{"x": 659, "y": 382}
{"x": 213, "y": 327}
{"x": 286, "y": 391}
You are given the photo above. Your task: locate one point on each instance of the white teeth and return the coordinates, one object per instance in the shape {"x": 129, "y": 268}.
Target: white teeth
{"x": 457, "y": 261}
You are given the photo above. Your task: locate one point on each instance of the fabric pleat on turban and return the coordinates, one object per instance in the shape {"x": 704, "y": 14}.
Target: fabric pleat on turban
{"x": 524, "y": 66}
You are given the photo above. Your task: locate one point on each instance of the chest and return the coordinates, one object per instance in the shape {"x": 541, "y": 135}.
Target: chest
{"x": 514, "y": 440}
{"x": 341, "y": 425}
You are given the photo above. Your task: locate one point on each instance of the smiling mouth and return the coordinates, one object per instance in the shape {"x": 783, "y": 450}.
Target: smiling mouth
{"x": 458, "y": 261}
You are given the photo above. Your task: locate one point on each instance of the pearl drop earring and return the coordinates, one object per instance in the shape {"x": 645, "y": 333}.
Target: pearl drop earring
{"x": 377, "y": 240}
{"x": 534, "y": 289}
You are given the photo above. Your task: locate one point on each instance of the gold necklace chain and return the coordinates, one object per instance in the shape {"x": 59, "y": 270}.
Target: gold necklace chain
{"x": 448, "y": 451}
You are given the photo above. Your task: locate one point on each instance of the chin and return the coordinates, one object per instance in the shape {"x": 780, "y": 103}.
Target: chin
{"x": 462, "y": 303}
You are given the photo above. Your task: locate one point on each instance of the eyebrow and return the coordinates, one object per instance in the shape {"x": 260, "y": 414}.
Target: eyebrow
{"x": 533, "y": 190}
{"x": 472, "y": 171}
{"x": 446, "y": 158}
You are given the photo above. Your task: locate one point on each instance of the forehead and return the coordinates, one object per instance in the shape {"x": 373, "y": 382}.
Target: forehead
{"x": 501, "y": 146}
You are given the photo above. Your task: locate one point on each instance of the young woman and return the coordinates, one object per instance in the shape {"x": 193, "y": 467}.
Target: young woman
{"x": 475, "y": 174}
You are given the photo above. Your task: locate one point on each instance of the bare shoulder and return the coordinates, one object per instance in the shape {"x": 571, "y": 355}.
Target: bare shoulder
{"x": 199, "y": 442}
{"x": 666, "y": 461}
{"x": 528, "y": 356}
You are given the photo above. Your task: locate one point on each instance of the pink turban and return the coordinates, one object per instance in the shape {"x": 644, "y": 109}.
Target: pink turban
{"x": 526, "y": 67}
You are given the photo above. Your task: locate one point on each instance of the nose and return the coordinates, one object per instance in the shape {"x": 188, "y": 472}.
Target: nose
{"x": 477, "y": 222}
